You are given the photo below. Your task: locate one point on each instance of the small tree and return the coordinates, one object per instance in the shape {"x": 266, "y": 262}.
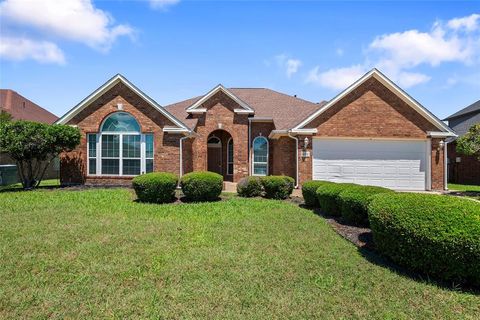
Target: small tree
{"x": 34, "y": 145}
{"x": 469, "y": 144}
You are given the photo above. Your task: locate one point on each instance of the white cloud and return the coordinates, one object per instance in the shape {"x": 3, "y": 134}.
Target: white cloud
{"x": 19, "y": 49}
{"x": 336, "y": 79}
{"x": 396, "y": 54}
{"x": 470, "y": 23}
{"x": 289, "y": 65}
{"x": 76, "y": 20}
{"x": 292, "y": 66}
{"x": 162, "y": 4}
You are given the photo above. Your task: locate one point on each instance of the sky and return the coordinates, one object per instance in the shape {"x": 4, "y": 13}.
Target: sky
{"x": 58, "y": 52}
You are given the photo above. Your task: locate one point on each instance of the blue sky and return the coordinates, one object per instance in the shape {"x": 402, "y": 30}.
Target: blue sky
{"x": 56, "y": 53}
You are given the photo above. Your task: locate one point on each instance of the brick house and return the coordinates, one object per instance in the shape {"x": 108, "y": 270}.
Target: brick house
{"x": 371, "y": 133}
{"x": 462, "y": 168}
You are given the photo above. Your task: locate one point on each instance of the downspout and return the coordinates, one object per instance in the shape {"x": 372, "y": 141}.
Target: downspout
{"x": 445, "y": 167}
{"x": 296, "y": 157}
{"x": 249, "y": 139}
{"x": 181, "y": 157}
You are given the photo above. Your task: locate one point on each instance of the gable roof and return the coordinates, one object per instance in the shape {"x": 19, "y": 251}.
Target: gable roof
{"x": 284, "y": 110}
{"x": 107, "y": 86}
{"x": 195, "y": 107}
{"x": 392, "y": 87}
{"x": 20, "y": 108}
{"x": 474, "y": 107}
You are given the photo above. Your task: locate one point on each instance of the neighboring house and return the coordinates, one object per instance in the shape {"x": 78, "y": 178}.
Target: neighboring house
{"x": 462, "y": 168}
{"x": 371, "y": 133}
{"x": 20, "y": 108}
{"x": 23, "y": 109}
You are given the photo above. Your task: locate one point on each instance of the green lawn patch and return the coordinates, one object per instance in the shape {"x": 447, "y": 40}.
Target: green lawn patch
{"x": 463, "y": 187}
{"x": 98, "y": 254}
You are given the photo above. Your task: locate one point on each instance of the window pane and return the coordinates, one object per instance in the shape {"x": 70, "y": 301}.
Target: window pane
{"x": 131, "y": 146}
{"x": 260, "y": 150}
{"x": 110, "y": 166}
{"x": 149, "y": 165}
{"x": 92, "y": 145}
{"x": 131, "y": 167}
{"x": 149, "y": 145}
{"x": 230, "y": 168}
{"x": 92, "y": 166}
{"x": 121, "y": 122}
{"x": 230, "y": 151}
{"x": 260, "y": 169}
{"x": 110, "y": 145}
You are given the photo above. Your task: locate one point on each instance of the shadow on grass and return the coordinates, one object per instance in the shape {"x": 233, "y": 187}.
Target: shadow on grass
{"x": 362, "y": 237}
{"x": 20, "y": 188}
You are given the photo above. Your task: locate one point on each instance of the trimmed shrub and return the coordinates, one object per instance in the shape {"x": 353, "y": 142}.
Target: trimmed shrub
{"x": 433, "y": 234}
{"x": 354, "y": 203}
{"x": 327, "y": 195}
{"x": 249, "y": 187}
{"x": 156, "y": 187}
{"x": 278, "y": 187}
{"x": 202, "y": 185}
{"x": 309, "y": 192}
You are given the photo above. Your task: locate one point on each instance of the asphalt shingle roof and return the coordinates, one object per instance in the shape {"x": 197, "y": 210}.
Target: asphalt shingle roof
{"x": 286, "y": 111}
{"x": 471, "y": 108}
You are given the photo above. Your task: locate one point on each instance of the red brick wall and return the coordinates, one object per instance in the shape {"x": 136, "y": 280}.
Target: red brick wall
{"x": 467, "y": 171}
{"x": 166, "y": 146}
{"x": 437, "y": 166}
{"x": 370, "y": 111}
{"x": 220, "y": 113}
{"x": 283, "y": 157}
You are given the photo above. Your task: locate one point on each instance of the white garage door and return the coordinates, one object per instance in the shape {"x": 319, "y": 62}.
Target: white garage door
{"x": 395, "y": 164}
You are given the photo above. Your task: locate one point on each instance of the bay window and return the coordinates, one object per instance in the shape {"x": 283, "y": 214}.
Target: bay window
{"x": 120, "y": 149}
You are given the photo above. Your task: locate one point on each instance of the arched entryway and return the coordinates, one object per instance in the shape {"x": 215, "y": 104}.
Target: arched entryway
{"x": 220, "y": 155}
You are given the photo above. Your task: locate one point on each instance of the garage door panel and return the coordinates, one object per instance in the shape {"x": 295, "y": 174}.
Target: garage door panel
{"x": 393, "y": 164}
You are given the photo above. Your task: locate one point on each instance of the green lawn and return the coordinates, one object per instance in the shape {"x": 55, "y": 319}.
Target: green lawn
{"x": 463, "y": 187}
{"x": 98, "y": 254}
{"x": 43, "y": 184}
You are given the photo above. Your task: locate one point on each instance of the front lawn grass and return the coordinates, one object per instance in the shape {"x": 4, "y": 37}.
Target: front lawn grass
{"x": 98, "y": 254}
{"x": 463, "y": 187}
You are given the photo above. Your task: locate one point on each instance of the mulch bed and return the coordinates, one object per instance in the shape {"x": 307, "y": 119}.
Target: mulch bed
{"x": 359, "y": 236}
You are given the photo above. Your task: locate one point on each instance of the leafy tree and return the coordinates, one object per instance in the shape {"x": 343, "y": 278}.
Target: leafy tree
{"x": 469, "y": 144}
{"x": 34, "y": 145}
{"x": 5, "y": 116}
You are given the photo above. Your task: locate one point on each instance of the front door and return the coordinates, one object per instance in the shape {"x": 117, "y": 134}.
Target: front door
{"x": 215, "y": 159}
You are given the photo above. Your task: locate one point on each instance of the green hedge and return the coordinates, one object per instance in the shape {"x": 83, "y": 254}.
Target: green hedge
{"x": 434, "y": 234}
{"x": 327, "y": 195}
{"x": 309, "y": 192}
{"x": 278, "y": 187}
{"x": 249, "y": 187}
{"x": 156, "y": 187}
{"x": 354, "y": 203}
{"x": 202, "y": 185}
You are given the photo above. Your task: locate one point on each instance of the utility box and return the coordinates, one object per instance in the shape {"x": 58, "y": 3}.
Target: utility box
{"x": 8, "y": 174}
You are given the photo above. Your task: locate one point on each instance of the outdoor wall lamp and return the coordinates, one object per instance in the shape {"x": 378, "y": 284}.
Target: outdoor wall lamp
{"x": 441, "y": 144}
{"x": 305, "y": 143}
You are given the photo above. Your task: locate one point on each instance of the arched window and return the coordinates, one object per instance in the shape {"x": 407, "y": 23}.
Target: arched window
{"x": 119, "y": 149}
{"x": 260, "y": 156}
{"x": 120, "y": 122}
{"x": 214, "y": 141}
{"x": 230, "y": 156}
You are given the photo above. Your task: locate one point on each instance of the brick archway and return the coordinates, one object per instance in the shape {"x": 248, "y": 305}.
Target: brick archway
{"x": 220, "y": 153}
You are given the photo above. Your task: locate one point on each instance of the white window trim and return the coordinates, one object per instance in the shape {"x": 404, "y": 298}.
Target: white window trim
{"x": 230, "y": 161}
{"x": 253, "y": 156}
{"x": 99, "y": 156}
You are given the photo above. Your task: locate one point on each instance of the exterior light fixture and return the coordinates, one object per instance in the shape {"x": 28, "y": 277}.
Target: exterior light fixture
{"x": 441, "y": 144}
{"x": 305, "y": 143}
